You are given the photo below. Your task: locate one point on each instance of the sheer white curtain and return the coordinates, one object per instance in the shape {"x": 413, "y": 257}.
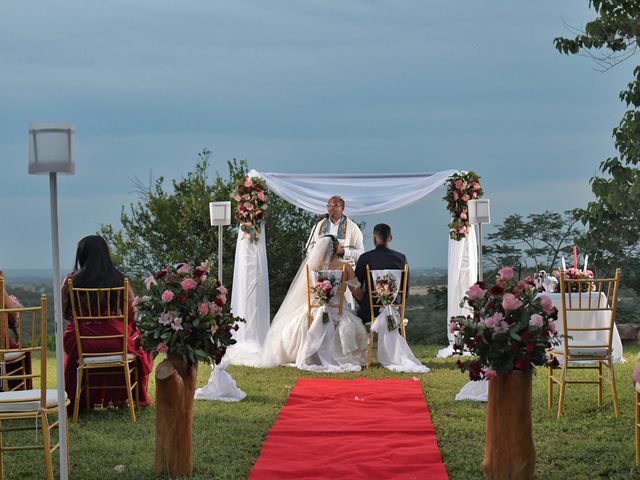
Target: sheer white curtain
{"x": 364, "y": 194}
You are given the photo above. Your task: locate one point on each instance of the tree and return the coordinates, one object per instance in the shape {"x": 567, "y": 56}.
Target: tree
{"x": 168, "y": 227}
{"x": 536, "y": 242}
{"x": 613, "y": 218}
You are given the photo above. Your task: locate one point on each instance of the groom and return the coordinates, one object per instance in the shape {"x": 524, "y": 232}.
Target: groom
{"x": 380, "y": 258}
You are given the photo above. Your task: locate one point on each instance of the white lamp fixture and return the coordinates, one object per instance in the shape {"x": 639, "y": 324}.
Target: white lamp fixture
{"x": 52, "y": 151}
{"x": 220, "y": 215}
{"x": 479, "y": 213}
{"x": 52, "y": 148}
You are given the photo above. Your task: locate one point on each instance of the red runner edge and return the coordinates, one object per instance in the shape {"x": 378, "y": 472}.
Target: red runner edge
{"x": 352, "y": 429}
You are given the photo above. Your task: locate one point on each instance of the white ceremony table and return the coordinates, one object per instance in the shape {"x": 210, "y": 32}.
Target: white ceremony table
{"x": 479, "y": 390}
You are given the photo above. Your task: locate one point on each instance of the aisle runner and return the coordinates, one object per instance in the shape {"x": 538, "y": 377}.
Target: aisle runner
{"x": 352, "y": 429}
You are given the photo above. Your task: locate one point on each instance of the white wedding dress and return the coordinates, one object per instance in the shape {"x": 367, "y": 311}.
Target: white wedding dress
{"x": 339, "y": 345}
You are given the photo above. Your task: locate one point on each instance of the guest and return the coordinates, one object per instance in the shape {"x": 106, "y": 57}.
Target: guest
{"x": 380, "y": 258}
{"x": 94, "y": 269}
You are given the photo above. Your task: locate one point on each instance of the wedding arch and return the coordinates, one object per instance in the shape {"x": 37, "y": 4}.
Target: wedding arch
{"x": 364, "y": 194}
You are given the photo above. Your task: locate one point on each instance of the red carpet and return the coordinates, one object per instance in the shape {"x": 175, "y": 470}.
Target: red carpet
{"x": 352, "y": 429}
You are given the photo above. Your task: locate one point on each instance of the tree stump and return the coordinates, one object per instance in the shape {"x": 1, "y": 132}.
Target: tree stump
{"x": 175, "y": 388}
{"x": 509, "y": 452}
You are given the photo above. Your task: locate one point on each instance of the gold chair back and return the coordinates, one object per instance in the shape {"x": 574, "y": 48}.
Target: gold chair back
{"x": 336, "y": 302}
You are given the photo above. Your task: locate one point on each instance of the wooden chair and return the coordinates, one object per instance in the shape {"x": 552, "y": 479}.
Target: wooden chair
{"x": 12, "y": 362}
{"x": 578, "y": 351}
{"x": 103, "y": 305}
{"x": 34, "y": 406}
{"x": 337, "y": 301}
{"x": 400, "y": 304}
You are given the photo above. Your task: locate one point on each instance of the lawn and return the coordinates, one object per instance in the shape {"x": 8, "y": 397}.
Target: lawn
{"x": 588, "y": 442}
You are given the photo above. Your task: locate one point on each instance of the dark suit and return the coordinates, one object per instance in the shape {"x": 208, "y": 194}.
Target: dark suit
{"x": 381, "y": 258}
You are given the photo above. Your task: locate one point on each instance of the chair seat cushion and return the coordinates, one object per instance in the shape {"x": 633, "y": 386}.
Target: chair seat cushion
{"x": 10, "y": 401}
{"x": 13, "y": 356}
{"x": 580, "y": 348}
{"x": 108, "y": 359}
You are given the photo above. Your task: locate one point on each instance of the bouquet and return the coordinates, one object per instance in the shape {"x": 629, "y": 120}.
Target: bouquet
{"x": 462, "y": 187}
{"x": 385, "y": 291}
{"x": 252, "y": 202}
{"x": 184, "y": 313}
{"x": 324, "y": 290}
{"x": 577, "y": 274}
{"x": 510, "y": 327}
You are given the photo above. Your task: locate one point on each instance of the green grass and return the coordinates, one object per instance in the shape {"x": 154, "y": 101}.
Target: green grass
{"x": 588, "y": 442}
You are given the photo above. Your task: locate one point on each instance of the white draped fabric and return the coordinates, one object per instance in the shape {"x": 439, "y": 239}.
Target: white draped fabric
{"x": 221, "y": 386}
{"x": 364, "y": 194}
{"x": 462, "y": 273}
{"x": 250, "y": 300}
{"x": 393, "y": 352}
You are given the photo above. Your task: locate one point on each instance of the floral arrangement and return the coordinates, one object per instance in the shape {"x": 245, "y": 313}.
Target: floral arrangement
{"x": 462, "y": 187}
{"x": 577, "y": 274}
{"x": 385, "y": 291}
{"x": 184, "y": 313}
{"x": 510, "y": 328}
{"x": 252, "y": 202}
{"x": 324, "y": 290}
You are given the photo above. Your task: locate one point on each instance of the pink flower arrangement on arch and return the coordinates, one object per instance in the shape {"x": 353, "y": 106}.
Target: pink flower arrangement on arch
{"x": 461, "y": 187}
{"x": 251, "y": 203}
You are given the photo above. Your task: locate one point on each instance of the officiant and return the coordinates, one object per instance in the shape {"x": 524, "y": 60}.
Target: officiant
{"x": 344, "y": 229}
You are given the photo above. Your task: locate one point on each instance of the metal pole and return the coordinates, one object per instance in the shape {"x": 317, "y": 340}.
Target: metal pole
{"x": 220, "y": 253}
{"x": 479, "y": 252}
{"x": 57, "y": 310}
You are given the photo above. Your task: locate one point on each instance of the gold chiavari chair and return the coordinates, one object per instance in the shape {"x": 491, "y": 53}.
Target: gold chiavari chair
{"x": 32, "y": 406}
{"x": 12, "y": 362}
{"x": 103, "y": 305}
{"x": 585, "y": 346}
{"x": 374, "y": 304}
{"x": 336, "y": 302}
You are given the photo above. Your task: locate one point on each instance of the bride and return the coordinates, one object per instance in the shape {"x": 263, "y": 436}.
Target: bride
{"x": 286, "y": 342}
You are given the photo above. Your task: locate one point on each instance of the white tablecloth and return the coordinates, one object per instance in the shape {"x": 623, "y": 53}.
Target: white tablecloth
{"x": 478, "y": 391}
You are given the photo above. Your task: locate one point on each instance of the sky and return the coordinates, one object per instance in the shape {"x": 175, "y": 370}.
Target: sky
{"x": 317, "y": 86}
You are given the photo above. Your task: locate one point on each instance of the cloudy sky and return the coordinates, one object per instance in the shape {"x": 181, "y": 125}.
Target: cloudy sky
{"x": 299, "y": 86}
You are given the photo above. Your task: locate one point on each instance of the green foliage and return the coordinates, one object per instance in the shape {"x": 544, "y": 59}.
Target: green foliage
{"x": 537, "y": 241}
{"x": 613, "y": 224}
{"x": 167, "y": 227}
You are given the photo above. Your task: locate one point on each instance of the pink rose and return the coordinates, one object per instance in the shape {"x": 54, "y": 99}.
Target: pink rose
{"x": 203, "y": 308}
{"x": 552, "y": 327}
{"x": 474, "y": 194}
{"x": 547, "y": 304}
{"x": 223, "y": 290}
{"x": 247, "y": 224}
{"x": 150, "y": 280}
{"x": 463, "y": 216}
{"x": 247, "y": 182}
{"x": 465, "y": 198}
{"x": 184, "y": 268}
{"x": 456, "y": 195}
{"x": 222, "y": 299}
{"x": 261, "y": 196}
{"x": 162, "y": 348}
{"x": 510, "y": 302}
{"x": 536, "y": 320}
{"x": 458, "y": 184}
{"x": 490, "y": 373}
{"x": 188, "y": 284}
{"x": 167, "y": 296}
{"x": 475, "y": 291}
{"x": 237, "y": 198}
{"x": 476, "y": 186}
{"x": 215, "y": 309}
{"x": 506, "y": 273}
{"x": 462, "y": 230}
{"x": 452, "y": 327}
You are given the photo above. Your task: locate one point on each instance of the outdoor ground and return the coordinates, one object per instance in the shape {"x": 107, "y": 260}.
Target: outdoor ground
{"x": 588, "y": 442}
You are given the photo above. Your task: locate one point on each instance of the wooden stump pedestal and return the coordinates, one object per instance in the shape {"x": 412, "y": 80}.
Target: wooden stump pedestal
{"x": 175, "y": 389}
{"x": 509, "y": 452}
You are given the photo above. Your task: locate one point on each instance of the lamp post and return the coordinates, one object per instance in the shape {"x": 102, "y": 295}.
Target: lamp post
{"x": 52, "y": 151}
{"x": 220, "y": 215}
{"x": 479, "y": 212}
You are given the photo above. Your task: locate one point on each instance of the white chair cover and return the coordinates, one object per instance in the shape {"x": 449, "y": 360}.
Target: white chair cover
{"x": 393, "y": 351}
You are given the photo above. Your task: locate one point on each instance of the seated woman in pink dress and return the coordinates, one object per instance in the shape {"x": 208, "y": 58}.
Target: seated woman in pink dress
{"x": 94, "y": 269}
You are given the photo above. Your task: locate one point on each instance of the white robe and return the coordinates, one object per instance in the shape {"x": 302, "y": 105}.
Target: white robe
{"x": 352, "y": 243}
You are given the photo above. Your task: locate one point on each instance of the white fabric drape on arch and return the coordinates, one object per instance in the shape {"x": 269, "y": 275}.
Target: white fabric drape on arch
{"x": 364, "y": 194}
